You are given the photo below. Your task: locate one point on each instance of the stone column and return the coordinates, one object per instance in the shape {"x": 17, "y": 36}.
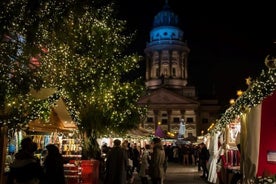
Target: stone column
{"x": 156, "y": 118}
{"x": 169, "y": 112}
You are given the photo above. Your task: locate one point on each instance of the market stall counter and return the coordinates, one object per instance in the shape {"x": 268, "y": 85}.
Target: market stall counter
{"x": 82, "y": 171}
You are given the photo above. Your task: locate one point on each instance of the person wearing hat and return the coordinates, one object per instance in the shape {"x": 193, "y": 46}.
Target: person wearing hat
{"x": 157, "y": 162}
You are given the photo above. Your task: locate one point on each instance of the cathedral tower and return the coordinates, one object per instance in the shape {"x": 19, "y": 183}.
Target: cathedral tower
{"x": 170, "y": 100}
{"x": 166, "y": 53}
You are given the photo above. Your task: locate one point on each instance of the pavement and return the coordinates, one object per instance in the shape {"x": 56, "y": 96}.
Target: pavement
{"x": 180, "y": 174}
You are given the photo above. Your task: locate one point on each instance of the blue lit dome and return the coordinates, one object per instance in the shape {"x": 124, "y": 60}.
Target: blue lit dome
{"x": 166, "y": 53}
{"x": 166, "y": 17}
{"x": 165, "y": 26}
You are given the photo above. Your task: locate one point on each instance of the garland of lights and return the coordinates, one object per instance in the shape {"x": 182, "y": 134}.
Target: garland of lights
{"x": 264, "y": 86}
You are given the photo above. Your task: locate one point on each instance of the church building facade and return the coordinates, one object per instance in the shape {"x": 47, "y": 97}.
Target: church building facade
{"x": 170, "y": 99}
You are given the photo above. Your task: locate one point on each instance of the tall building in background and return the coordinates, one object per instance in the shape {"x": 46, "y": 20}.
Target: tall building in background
{"x": 170, "y": 99}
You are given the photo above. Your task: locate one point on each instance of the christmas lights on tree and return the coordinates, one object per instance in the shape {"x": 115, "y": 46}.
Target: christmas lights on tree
{"x": 77, "y": 48}
{"x": 19, "y": 70}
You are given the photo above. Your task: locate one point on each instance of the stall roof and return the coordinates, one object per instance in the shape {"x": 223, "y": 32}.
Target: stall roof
{"x": 139, "y": 132}
{"x": 60, "y": 119}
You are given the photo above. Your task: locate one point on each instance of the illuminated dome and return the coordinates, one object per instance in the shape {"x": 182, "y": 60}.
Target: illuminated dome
{"x": 167, "y": 53}
{"x": 165, "y": 26}
{"x": 166, "y": 17}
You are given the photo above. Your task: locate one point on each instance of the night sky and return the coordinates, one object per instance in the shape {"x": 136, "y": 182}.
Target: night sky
{"x": 228, "y": 41}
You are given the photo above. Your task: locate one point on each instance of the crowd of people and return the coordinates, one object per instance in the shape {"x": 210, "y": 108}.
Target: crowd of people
{"x": 122, "y": 160}
{"x": 151, "y": 161}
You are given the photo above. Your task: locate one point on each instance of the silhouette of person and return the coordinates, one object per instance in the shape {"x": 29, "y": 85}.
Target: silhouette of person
{"x": 53, "y": 166}
{"x": 158, "y": 159}
{"x": 116, "y": 165}
{"x": 203, "y": 158}
{"x": 25, "y": 167}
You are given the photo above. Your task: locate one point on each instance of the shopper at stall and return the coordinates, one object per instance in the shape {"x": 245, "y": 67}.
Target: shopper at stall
{"x": 116, "y": 165}
{"x": 25, "y": 167}
{"x": 53, "y": 166}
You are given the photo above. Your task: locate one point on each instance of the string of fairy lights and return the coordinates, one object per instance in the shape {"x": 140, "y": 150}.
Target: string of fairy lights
{"x": 257, "y": 90}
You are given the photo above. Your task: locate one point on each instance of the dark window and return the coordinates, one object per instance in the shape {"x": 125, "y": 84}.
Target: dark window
{"x": 190, "y": 120}
{"x": 164, "y": 115}
{"x": 150, "y": 120}
{"x": 204, "y": 121}
{"x": 176, "y": 120}
{"x": 173, "y": 72}
{"x": 164, "y": 121}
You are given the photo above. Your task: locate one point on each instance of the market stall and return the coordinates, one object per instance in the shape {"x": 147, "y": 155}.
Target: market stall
{"x": 257, "y": 140}
{"x": 59, "y": 130}
{"x": 247, "y": 130}
{"x": 138, "y": 136}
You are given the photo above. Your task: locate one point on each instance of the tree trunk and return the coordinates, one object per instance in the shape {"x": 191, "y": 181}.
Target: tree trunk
{"x": 91, "y": 148}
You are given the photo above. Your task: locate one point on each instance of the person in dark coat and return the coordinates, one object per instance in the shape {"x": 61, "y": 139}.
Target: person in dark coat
{"x": 26, "y": 168}
{"x": 129, "y": 152}
{"x": 203, "y": 159}
{"x": 136, "y": 159}
{"x": 116, "y": 165}
{"x": 53, "y": 166}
